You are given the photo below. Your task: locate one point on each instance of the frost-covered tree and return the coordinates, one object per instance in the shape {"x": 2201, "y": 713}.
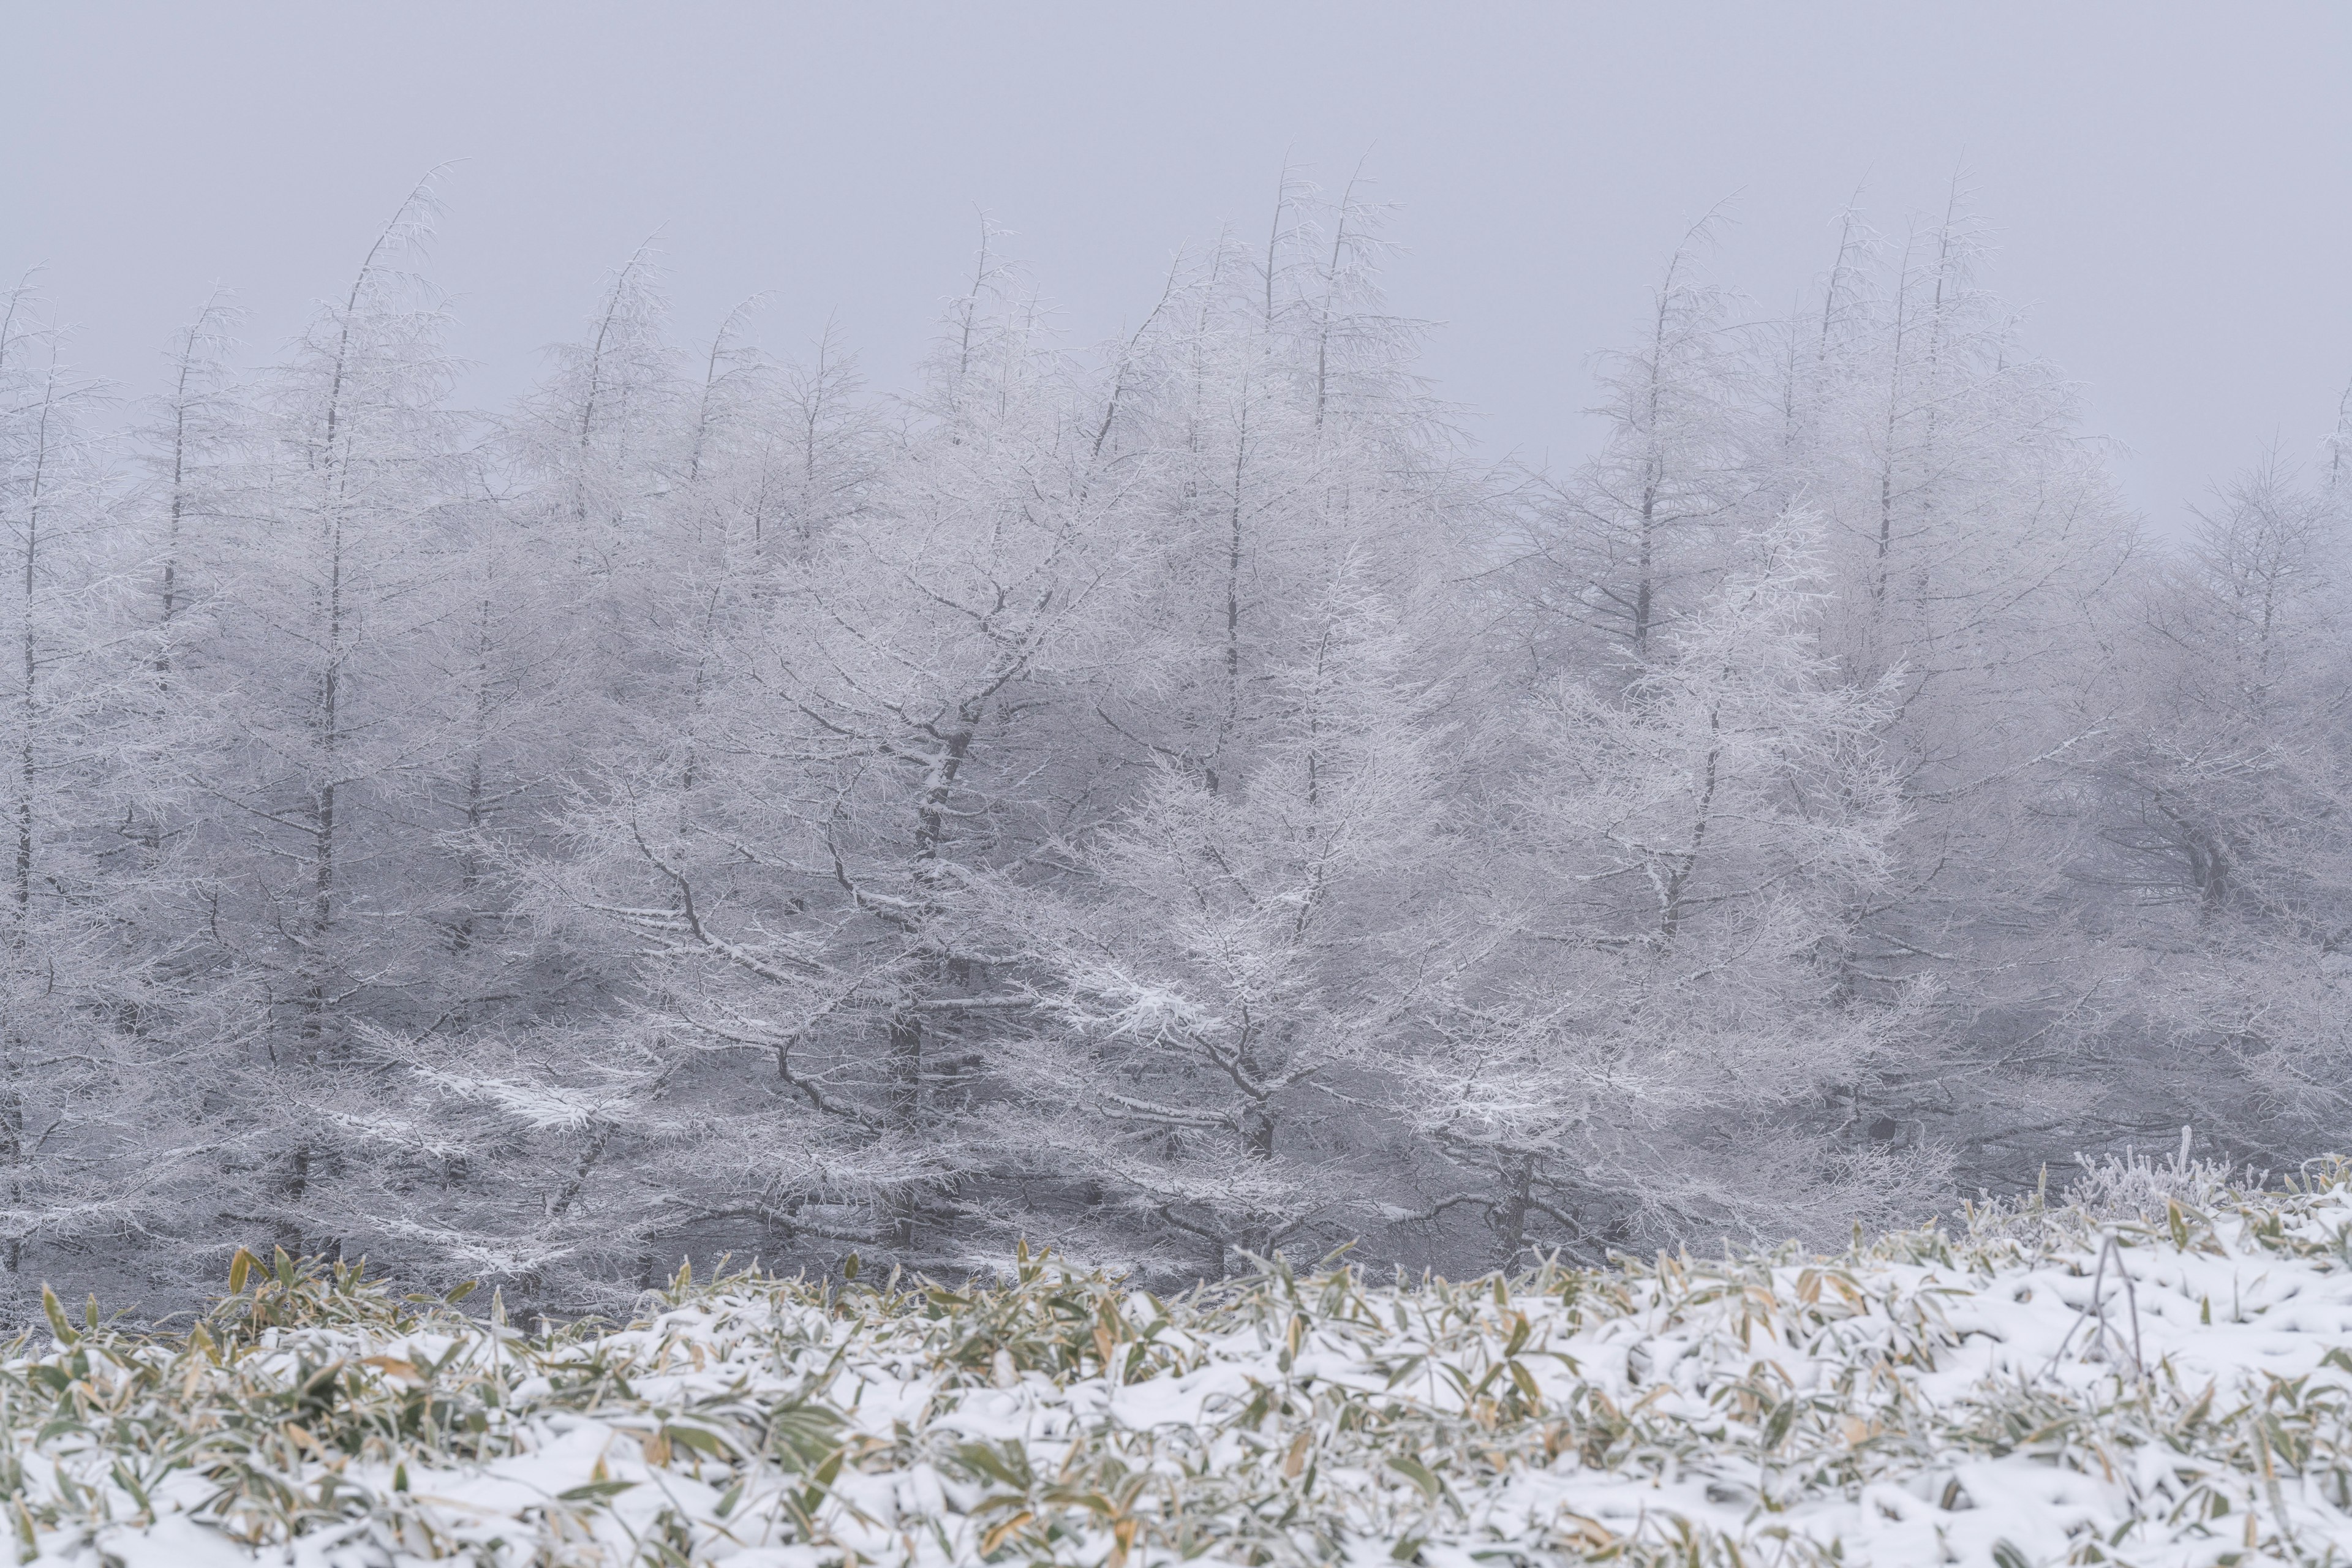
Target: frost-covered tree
{"x": 1163, "y": 799}
{"x": 316, "y": 734}
{"x": 2219, "y": 800}
{"x": 1664, "y": 1040}
{"x": 189, "y": 442}
{"x": 1973, "y": 542}
{"x": 1228, "y": 972}
{"x": 87, "y": 1134}
{"x": 1638, "y": 536}
{"x": 1252, "y": 906}
{"x": 793, "y": 866}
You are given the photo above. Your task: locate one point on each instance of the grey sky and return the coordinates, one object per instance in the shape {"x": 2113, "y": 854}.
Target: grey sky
{"x": 2172, "y": 183}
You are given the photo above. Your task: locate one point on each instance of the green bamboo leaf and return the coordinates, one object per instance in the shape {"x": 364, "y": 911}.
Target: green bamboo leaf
{"x": 130, "y": 1483}
{"x": 697, "y": 1439}
{"x": 595, "y": 1491}
{"x": 56, "y": 1313}
{"x": 1420, "y": 1475}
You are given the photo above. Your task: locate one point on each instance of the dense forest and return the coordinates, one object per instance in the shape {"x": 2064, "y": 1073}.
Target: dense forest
{"x": 1168, "y": 800}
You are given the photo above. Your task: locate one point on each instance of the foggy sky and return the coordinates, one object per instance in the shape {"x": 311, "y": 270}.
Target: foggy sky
{"x": 2169, "y": 181}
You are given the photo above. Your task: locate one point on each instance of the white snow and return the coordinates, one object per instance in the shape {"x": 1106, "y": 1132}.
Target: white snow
{"x": 2044, "y": 1389}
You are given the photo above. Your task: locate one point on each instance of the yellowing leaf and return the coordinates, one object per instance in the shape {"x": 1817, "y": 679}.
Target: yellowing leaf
{"x": 240, "y": 1267}
{"x": 995, "y": 1537}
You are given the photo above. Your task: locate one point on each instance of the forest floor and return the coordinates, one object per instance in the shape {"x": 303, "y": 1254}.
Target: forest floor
{"x": 2162, "y": 1376}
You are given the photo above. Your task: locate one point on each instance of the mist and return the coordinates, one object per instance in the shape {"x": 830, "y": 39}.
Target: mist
{"x": 1550, "y": 636}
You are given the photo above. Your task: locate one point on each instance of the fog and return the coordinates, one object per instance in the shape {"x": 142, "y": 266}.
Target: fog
{"x": 903, "y": 637}
{"x": 2164, "y": 179}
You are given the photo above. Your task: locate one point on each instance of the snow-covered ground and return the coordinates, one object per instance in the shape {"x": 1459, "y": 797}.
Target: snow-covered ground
{"x": 2047, "y": 1388}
